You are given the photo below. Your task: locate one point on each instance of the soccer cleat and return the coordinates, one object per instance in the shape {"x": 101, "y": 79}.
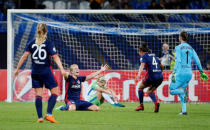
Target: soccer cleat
{"x": 183, "y": 113}
{"x": 115, "y": 105}
{"x": 50, "y": 118}
{"x": 157, "y": 105}
{"x": 40, "y": 120}
{"x": 120, "y": 105}
{"x": 140, "y": 108}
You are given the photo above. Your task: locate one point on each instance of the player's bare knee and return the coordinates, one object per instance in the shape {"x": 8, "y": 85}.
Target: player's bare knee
{"x": 54, "y": 91}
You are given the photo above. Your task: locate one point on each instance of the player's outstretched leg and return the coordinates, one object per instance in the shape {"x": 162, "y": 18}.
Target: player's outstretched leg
{"x": 62, "y": 108}
{"x": 141, "y": 97}
{"x": 111, "y": 100}
{"x": 108, "y": 98}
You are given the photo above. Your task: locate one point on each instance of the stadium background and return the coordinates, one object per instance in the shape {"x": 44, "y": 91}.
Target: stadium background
{"x": 121, "y": 42}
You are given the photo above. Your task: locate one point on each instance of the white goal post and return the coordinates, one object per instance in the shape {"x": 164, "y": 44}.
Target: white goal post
{"x": 10, "y": 33}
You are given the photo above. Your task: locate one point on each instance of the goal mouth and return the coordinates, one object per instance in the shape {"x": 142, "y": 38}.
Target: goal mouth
{"x": 90, "y": 38}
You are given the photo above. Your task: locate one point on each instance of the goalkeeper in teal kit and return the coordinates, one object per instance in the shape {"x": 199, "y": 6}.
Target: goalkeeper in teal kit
{"x": 182, "y": 72}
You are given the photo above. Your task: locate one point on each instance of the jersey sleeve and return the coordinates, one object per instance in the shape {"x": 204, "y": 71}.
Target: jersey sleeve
{"x": 94, "y": 85}
{"x": 51, "y": 49}
{"x": 69, "y": 78}
{"x": 177, "y": 58}
{"x": 197, "y": 60}
{"x": 27, "y": 48}
{"x": 82, "y": 78}
{"x": 143, "y": 59}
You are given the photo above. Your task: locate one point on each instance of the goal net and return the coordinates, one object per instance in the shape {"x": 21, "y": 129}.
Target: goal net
{"x": 91, "y": 38}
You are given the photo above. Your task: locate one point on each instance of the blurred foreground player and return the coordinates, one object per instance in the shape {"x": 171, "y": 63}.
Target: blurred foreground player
{"x": 153, "y": 78}
{"x": 41, "y": 51}
{"x": 182, "y": 72}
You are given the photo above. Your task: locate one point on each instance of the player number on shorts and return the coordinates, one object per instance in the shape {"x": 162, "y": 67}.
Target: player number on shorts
{"x": 40, "y": 50}
{"x": 154, "y": 62}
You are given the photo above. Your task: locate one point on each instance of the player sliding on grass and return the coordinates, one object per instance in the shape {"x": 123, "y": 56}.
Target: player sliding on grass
{"x": 41, "y": 51}
{"x": 182, "y": 72}
{"x": 153, "y": 78}
{"x": 73, "y": 90}
{"x": 99, "y": 92}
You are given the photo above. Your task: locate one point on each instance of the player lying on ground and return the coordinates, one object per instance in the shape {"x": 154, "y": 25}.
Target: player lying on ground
{"x": 182, "y": 72}
{"x": 99, "y": 92}
{"x": 73, "y": 90}
{"x": 41, "y": 50}
{"x": 153, "y": 78}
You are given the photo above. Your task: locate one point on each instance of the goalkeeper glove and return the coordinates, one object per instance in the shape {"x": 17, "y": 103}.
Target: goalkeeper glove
{"x": 174, "y": 76}
{"x": 203, "y": 76}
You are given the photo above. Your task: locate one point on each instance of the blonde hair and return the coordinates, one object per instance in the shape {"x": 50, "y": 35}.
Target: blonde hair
{"x": 71, "y": 67}
{"x": 41, "y": 30}
{"x": 101, "y": 79}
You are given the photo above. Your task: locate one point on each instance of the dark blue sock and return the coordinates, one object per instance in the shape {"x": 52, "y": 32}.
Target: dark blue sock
{"x": 38, "y": 104}
{"x": 141, "y": 96}
{"x": 51, "y": 103}
{"x": 152, "y": 96}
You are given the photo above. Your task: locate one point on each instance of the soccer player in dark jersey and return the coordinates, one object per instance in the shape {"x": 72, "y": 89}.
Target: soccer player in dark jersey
{"x": 41, "y": 51}
{"x": 153, "y": 78}
{"x": 73, "y": 90}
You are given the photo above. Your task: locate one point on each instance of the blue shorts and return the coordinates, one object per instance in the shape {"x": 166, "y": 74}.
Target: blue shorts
{"x": 80, "y": 104}
{"x": 178, "y": 84}
{"x": 47, "y": 79}
{"x": 182, "y": 81}
{"x": 152, "y": 83}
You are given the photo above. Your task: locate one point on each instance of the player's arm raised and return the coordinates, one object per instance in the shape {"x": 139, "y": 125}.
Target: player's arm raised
{"x": 103, "y": 68}
{"x": 140, "y": 70}
{"x": 22, "y": 60}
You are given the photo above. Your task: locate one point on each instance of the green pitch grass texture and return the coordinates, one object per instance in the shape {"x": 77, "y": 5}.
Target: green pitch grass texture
{"x": 22, "y": 116}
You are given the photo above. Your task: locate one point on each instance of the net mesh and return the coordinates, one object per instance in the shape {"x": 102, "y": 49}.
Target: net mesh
{"x": 92, "y": 40}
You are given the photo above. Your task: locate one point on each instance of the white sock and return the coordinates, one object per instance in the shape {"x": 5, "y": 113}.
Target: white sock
{"x": 108, "y": 98}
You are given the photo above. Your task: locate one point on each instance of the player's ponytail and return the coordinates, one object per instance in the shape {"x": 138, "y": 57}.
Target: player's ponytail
{"x": 40, "y": 33}
{"x": 144, "y": 48}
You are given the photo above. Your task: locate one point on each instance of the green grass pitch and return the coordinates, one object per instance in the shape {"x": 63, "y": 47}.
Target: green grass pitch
{"x": 22, "y": 116}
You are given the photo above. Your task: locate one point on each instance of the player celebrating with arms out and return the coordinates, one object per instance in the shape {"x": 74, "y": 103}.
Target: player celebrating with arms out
{"x": 73, "y": 90}
{"x": 153, "y": 78}
{"x": 182, "y": 72}
{"x": 42, "y": 50}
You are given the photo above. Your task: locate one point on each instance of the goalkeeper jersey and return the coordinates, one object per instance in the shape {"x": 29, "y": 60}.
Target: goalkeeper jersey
{"x": 184, "y": 54}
